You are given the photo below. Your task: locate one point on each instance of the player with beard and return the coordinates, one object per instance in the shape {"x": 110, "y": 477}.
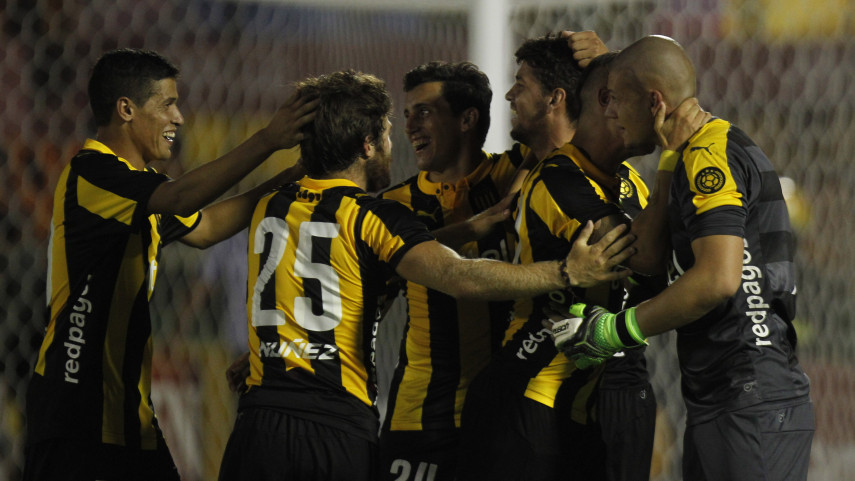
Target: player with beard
{"x": 538, "y": 394}
{"x": 321, "y": 252}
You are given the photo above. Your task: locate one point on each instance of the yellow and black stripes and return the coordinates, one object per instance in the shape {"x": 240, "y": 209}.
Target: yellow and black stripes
{"x": 321, "y": 252}
{"x": 560, "y": 194}
{"x": 448, "y": 341}
{"x": 93, "y": 376}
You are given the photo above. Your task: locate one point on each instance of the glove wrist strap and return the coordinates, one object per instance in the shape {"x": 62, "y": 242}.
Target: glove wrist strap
{"x": 627, "y": 330}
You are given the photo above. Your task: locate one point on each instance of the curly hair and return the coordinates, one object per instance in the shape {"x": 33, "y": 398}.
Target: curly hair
{"x": 353, "y": 106}
{"x": 552, "y": 63}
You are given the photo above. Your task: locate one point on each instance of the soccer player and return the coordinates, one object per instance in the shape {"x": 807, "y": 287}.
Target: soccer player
{"x": 544, "y": 403}
{"x": 732, "y": 288}
{"x": 321, "y": 252}
{"x": 89, "y": 410}
{"x": 446, "y": 340}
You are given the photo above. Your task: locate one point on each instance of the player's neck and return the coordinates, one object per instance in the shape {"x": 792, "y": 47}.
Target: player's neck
{"x": 605, "y": 155}
{"x": 116, "y": 140}
{"x": 467, "y": 161}
{"x": 355, "y": 173}
{"x": 558, "y": 134}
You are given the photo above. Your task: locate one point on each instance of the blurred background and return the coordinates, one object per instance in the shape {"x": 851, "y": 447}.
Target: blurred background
{"x": 780, "y": 69}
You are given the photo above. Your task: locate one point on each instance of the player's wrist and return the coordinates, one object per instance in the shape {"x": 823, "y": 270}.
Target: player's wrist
{"x": 627, "y": 332}
{"x": 668, "y": 160}
{"x": 565, "y": 276}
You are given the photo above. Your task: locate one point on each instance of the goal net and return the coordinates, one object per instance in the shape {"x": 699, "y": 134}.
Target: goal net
{"x": 780, "y": 70}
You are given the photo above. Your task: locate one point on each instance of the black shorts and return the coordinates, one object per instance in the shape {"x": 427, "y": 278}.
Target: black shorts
{"x": 268, "y": 445}
{"x": 419, "y": 455}
{"x": 628, "y": 421}
{"x": 751, "y": 444}
{"x": 507, "y": 436}
{"x": 76, "y": 460}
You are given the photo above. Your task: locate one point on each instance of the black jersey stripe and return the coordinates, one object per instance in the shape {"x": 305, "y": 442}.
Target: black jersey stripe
{"x": 447, "y": 341}
{"x": 93, "y": 377}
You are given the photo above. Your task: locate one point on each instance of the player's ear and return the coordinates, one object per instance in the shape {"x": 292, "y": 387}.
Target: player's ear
{"x": 557, "y": 98}
{"x": 655, "y": 98}
{"x": 469, "y": 119}
{"x": 603, "y": 97}
{"x": 368, "y": 148}
{"x": 125, "y": 109}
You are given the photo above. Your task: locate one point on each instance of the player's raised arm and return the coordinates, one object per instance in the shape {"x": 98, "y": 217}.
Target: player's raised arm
{"x": 228, "y": 217}
{"x": 202, "y": 185}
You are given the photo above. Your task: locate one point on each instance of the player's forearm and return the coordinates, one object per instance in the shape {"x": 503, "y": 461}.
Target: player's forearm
{"x": 228, "y": 217}
{"x": 455, "y": 235}
{"x": 496, "y": 280}
{"x": 202, "y": 185}
{"x": 440, "y": 268}
{"x": 685, "y": 301}
{"x": 476, "y": 227}
{"x": 713, "y": 279}
{"x": 651, "y": 228}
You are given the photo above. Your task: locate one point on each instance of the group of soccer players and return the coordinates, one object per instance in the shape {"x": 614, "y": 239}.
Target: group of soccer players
{"x": 493, "y": 381}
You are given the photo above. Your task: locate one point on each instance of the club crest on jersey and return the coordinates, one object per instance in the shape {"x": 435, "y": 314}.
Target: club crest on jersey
{"x": 627, "y": 190}
{"x": 709, "y": 180}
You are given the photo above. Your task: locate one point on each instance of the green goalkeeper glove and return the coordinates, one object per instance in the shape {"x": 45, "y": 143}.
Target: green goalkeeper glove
{"x": 600, "y": 335}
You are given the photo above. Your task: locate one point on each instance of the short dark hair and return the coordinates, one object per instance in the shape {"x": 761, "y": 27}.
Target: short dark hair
{"x": 464, "y": 85}
{"x": 353, "y": 106}
{"x": 600, "y": 61}
{"x": 552, "y": 62}
{"x": 125, "y": 73}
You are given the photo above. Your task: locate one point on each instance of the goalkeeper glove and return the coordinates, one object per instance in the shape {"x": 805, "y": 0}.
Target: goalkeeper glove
{"x": 600, "y": 335}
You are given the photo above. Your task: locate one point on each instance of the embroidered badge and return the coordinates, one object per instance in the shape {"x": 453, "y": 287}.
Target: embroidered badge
{"x": 709, "y": 180}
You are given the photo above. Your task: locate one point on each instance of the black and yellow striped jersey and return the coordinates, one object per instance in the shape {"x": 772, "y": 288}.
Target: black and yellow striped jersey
{"x": 320, "y": 254}
{"x": 92, "y": 379}
{"x": 559, "y": 196}
{"x": 742, "y": 352}
{"x": 447, "y": 341}
{"x": 628, "y": 369}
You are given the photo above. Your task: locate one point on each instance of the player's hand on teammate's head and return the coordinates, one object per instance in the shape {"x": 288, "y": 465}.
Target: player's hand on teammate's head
{"x": 674, "y": 129}
{"x": 588, "y": 265}
{"x": 585, "y": 45}
{"x": 237, "y": 373}
{"x": 285, "y": 128}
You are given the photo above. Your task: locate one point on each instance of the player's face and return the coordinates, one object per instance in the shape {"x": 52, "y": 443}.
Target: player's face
{"x": 156, "y": 122}
{"x": 431, "y": 127}
{"x": 629, "y": 107}
{"x": 606, "y": 125}
{"x": 379, "y": 166}
{"x": 528, "y": 105}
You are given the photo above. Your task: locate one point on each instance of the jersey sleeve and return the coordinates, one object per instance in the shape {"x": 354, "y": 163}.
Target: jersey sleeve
{"x": 174, "y": 227}
{"x": 129, "y": 189}
{"x": 390, "y": 229}
{"x": 568, "y": 199}
{"x": 717, "y": 182}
